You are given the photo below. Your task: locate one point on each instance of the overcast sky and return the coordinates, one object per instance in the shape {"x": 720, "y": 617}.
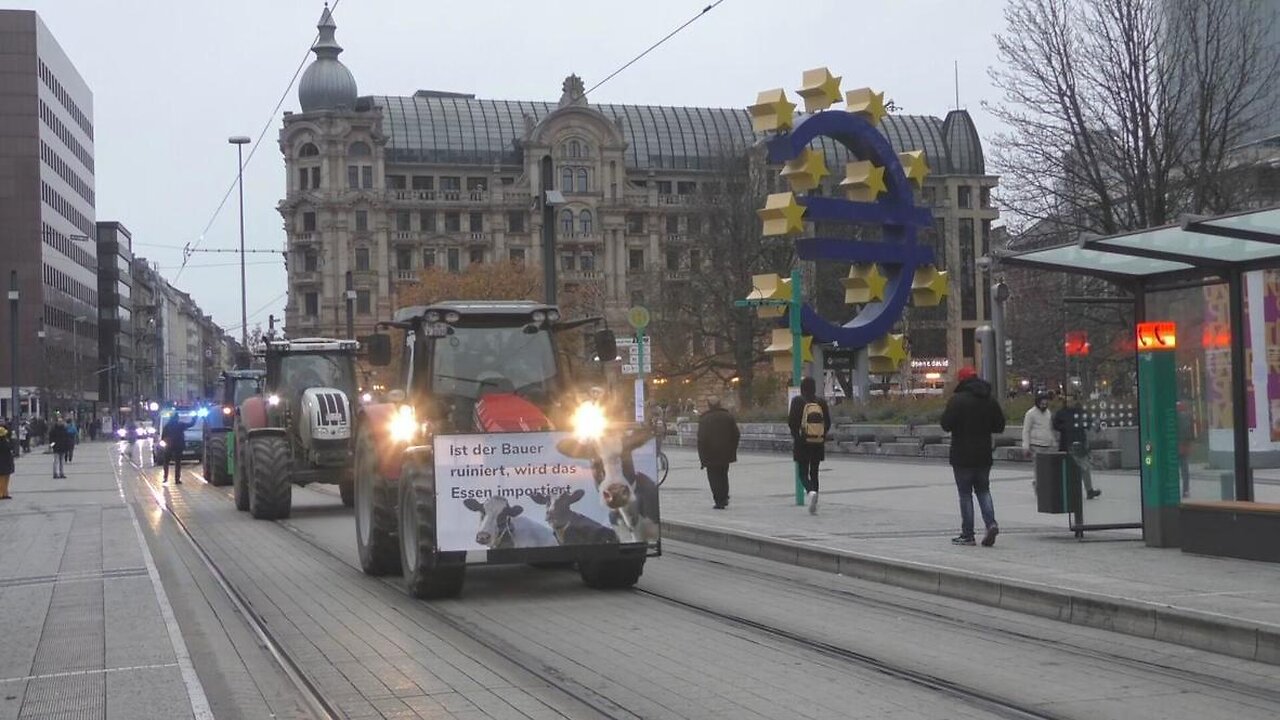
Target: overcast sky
{"x": 172, "y": 79}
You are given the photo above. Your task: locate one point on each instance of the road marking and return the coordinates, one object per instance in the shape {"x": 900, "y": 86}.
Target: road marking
{"x": 195, "y": 691}
{"x": 77, "y": 673}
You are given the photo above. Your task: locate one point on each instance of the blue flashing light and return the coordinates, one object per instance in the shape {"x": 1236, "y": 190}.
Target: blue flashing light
{"x": 202, "y": 412}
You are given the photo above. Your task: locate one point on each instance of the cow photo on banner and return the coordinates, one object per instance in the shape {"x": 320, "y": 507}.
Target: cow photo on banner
{"x": 544, "y": 489}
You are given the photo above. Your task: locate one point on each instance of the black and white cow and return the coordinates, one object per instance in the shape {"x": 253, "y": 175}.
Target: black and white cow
{"x": 570, "y": 527}
{"x": 631, "y": 496}
{"x": 501, "y": 526}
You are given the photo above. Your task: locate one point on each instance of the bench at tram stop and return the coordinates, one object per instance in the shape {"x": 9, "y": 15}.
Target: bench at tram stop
{"x": 1230, "y": 528}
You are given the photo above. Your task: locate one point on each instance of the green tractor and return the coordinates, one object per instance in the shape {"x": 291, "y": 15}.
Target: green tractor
{"x": 219, "y": 439}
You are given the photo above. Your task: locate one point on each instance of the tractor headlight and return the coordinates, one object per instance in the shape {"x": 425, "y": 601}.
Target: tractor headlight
{"x": 366, "y": 398}
{"x": 164, "y": 444}
{"x": 273, "y": 399}
{"x": 404, "y": 425}
{"x": 589, "y": 421}
{"x": 226, "y": 410}
{"x": 539, "y": 316}
{"x": 452, "y": 317}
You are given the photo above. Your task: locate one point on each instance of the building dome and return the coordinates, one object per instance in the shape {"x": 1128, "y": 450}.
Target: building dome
{"x": 327, "y": 84}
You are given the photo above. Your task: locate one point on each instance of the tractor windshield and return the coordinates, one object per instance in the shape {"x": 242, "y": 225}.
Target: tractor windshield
{"x": 243, "y": 389}
{"x": 299, "y": 371}
{"x": 475, "y": 361}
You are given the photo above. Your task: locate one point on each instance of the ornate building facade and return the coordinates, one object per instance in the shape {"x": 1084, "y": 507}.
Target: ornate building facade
{"x": 381, "y": 187}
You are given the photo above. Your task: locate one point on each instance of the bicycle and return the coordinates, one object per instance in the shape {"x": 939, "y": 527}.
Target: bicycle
{"x": 659, "y": 426}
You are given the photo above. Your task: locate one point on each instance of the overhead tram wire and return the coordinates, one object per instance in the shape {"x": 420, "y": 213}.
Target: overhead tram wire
{"x": 259, "y": 311}
{"x": 253, "y": 150}
{"x": 654, "y": 46}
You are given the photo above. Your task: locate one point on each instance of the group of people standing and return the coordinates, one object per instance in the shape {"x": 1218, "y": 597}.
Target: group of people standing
{"x": 1066, "y": 430}
{"x": 18, "y": 436}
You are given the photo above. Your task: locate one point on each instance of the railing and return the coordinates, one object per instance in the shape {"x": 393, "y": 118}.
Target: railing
{"x": 307, "y": 276}
{"x": 402, "y": 194}
{"x": 581, "y": 275}
{"x": 404, "y": 235}
{"x": 676, "y": 237}
{"x": 637, "y": 199}
{"x": 478, "y": 237}
{"x": 686, "y": 199}
{"x": 676, "y": 275}
{"x": 450, "y": 195}
{"x": 406, "y": 275}
{"x": 304, "y": 237}
{"x": 586, "y": 238}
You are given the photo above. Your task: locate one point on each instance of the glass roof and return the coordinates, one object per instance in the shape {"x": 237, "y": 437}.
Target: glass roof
{"x": 1175, "y": 240}
{"x": 1083, "y": 261}
{"x": 1260, "y": 221}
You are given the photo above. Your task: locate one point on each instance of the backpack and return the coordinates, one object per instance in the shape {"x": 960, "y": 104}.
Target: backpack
{"x": 813, "y": 427}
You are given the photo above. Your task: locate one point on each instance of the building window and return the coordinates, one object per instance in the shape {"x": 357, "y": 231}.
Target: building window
{"x": 566, "y": 179}
{"x": 450, "y": 183}
{"x": 423, "y": 182}
{"x": 304, "y": 178}
{"x": 664, "y": 186}
{"x": 362, "y": 221}
{"x": 453, "y": 222}
{"x": 362, "y": 259}
{"x": 575, "y": 149}
{"x": 359, "y": 149}
{"x": 964, "y": 197}
{"x": 968, "y": 291}
{"x": 587, "y": 262}
{"x": 454, "y": 259}
{"x": 694, "y": 224}
{"x": 353, "y": 177}
{"x": 686, "y": 187}
{"x": 429, "y": 258}
{"x": 404, "y": 261}
{"x": 516, "y": 255}
{"x": 566, "y": 222}
{"x": 315, "y": 178}
{"x": 984, "y": 197}
{"x": 929, "y": 196}
{"x": 395, "y": 182}
{"x": 695, "y": 259}
{"x": 673, "y": 260}
{"x": 310, "y": 261}
{"x": 402, "y": 221}
{"x": 635, "y": 224}
{"x": 308, "y": 222}
{"x": 673, "y": 224}
{"x": 427, "y": 221}
{"x": 477, "y": 222}
{"x": 635, "y": 259}
{"x": 582, "y": 181}
{"x": 311, "y": 304}
{"x": 476, "y": 184}
{"x": 515, "y": 222}
{"x": 366, "y": 177}
{"x": 308, "y": 150}
{"x": 567, "y": 262}
{"x": 477, "y": 256}
{"x": 584, "y": 222}
{"x": 363, "y": 306}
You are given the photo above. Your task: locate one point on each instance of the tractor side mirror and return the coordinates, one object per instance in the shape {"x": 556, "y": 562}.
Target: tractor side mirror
{"x": 606, "y": 346}
{"x": 379, "y": 348}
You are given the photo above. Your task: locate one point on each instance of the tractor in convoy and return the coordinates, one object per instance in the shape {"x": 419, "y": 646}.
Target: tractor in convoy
{"x": 235, "y": 386}
{"x": 488, "y": 453}
{"x": 298, "y": 429}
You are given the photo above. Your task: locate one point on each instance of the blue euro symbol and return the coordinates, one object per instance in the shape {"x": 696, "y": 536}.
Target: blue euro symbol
{"x": 899, "y": 218}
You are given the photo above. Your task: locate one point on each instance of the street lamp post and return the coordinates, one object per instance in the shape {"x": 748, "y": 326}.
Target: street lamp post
{"x": 240, "y": 141}
{"x": 44, "y": 372}
{"x": 13, "y": 343}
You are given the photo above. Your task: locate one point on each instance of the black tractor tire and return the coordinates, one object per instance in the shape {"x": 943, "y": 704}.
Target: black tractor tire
{"x": 611, "y": 574}
{"x": 423, "y": 579}
{"x": 270, "y": 492}
{"x": 374, "y": 498}
{"x": 347, "y": 490}
{"x": 242, "y": 476}
{"x": 215, "y": 465}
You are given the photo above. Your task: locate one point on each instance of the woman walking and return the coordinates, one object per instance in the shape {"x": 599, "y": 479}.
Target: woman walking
{"x": 6, "y": 461}
{"x": 59, "y": 440}
{"x": 810, "y": 421}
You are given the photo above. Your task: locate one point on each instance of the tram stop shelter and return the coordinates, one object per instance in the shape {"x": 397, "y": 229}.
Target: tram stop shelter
{"x": 1217, "y": 280}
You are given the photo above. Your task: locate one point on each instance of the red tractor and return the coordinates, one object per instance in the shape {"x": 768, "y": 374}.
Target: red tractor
{"x": 486, "y": 454}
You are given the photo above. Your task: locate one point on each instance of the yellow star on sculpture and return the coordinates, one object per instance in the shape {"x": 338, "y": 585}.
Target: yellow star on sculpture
{"x": 915, "y": 166}
{"x": 782, "y": 215}
{"x": 820, "y": 89}
{"x": 886, "y": 354}
{"x": 864, "y": 284}
{"x": 929, "y": 286}
{"x": 771, "y": 111}
{"x": 863, "y": 181}
{"x": 780, "y": 347}
{"x": 805, "y": 172}
{"x": 867, "y": 103}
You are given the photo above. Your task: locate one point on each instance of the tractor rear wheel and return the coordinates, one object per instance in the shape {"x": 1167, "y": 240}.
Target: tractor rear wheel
{"x": 215, "y": 463}
{"x": 241, "y": 474}
{"x": 270, "y": 493}
{"x": 611, "y": 574}
{"x": 375, "y": 512}
{"x": 423, "y": 578}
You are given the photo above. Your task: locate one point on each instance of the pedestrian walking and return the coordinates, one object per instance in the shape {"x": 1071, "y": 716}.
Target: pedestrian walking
{"x": 59, "y": 440}
{"x": 95, "y": 427}
{"x": 810, "y": 421}
{"x": 24, "y": 436}
{"x": 73, "y": 436}
{"x": 972, "y": 416}
{"x": 1072, "y": 424}
{"x": 6, "y": 461}
{"x": 1037, "y": 427}
{"x": 173, "y": 435}
{"x": 717, "y": 449}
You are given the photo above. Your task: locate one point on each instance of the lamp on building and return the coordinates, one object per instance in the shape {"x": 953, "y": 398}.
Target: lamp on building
{"x": 240, "y": 141}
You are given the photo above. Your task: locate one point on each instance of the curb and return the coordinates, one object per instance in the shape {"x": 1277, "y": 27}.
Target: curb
{"x": 1215, "y": 633}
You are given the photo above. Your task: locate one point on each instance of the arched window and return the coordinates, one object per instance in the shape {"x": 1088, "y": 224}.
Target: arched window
{"x": 582, "y": 180}
{"x": 566, "y": 222}
{"x": 359, "y": 149}
{"x": 584, "y": 222}
{"x": 566, "y": 180}
{"x": 575, "y": 149}
{"x": 308, "y": 150}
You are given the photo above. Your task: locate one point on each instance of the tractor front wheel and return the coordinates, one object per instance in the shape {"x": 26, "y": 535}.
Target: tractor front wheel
{"x": 423, "y": 577}
{"x": 270, "y": 493}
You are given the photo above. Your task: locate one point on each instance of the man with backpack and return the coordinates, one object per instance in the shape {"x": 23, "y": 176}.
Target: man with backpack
{"x": 972, "y": 416}
{"x": 810, "y": 421}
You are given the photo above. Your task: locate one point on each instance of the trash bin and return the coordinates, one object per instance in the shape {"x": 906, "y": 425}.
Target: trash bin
{"x": 1057, "y": 483}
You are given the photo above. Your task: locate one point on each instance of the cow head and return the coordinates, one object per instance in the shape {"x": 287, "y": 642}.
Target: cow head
{"x": 559, "y": 507}
{"x": 610, "y": 456}
{"x": 495, "y": 520}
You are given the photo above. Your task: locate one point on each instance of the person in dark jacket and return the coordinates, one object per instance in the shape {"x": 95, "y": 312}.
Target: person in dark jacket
{"x": 717, "y": 448}
{"x": 808, "y": 436}
{"x": 59, "y": 442}
{"x": 175, "y": 442}
{"x": 972, "y": 416}
{"x": 6, "y": 461}
{"x": 1072, "y": 424}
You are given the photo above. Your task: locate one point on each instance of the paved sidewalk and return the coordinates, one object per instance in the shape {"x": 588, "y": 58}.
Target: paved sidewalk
{"x": 84, "y": 623}
{"x": 893, "y": 521}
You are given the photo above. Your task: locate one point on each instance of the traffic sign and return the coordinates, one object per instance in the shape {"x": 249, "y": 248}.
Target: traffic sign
{"x": 630, "y": 352}
{"x": 638, "y": 316}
